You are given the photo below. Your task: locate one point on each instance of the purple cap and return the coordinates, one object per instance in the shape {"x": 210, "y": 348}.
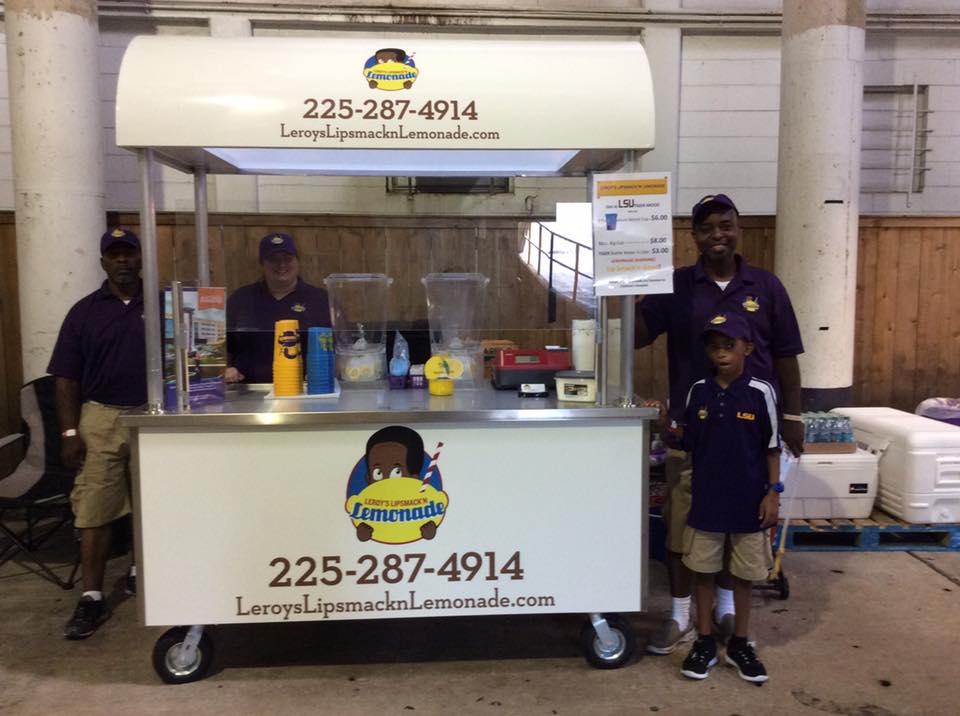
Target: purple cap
{"x": 711, "y": 202}
{"x": 275, "y": 243}
{"x": 731, "y": 325}
{"x": 118, "y": 236}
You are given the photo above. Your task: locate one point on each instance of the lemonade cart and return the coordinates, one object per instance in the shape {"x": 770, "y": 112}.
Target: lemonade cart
{"x": 381, "y": 504}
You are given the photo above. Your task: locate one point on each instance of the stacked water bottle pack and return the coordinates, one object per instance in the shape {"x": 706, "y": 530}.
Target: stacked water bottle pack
{"x": 320, "y": 361}
{"x": 828, "y": 432}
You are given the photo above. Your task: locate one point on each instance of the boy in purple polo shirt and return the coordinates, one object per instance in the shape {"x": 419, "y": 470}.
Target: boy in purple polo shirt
{"x": 730, "y": 428}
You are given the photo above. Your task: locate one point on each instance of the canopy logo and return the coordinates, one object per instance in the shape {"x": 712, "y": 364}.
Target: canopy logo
{"x": 395, "y": 492}
{"x": 390, "y": 69}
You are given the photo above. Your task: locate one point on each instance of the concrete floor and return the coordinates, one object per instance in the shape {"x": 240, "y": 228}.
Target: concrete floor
{"x": 862, "y": 634}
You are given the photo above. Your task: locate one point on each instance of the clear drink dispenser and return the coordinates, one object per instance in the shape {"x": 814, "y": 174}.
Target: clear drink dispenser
{"x": 454, "y": 307}
{"x": 358, "y": 312}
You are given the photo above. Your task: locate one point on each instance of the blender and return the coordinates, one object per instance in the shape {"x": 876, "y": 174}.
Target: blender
{"x": 358, "y": 313}
{"x": 454, "y": 301}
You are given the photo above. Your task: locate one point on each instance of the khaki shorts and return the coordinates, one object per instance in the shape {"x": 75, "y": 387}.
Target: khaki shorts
{"x": 101, "y": 492}
{"x": 750, "y": 555}
{"x": 676, "y": 503}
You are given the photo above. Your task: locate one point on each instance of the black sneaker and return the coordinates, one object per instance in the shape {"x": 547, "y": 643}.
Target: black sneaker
{"x": 740, "y": 654}
{"x": 703, "y": 655}
{"x": 89, "y": 614}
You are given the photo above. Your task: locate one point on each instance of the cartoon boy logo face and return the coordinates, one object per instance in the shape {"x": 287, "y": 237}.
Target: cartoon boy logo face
{"x": 395, "y": 493}
{"x": 390, "y": 69}
{"x": 290, "y": 344}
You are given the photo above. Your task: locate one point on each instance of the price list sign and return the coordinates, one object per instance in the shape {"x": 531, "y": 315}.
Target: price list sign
{"x": 632, "y": 234}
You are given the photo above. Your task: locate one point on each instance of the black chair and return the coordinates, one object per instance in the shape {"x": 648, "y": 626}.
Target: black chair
{"x": 35, "y": 496}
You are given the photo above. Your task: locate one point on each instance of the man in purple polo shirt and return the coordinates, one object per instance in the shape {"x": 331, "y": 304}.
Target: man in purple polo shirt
{"x": 252, "y": 310}
{"x": 721, "y": 281}
{"x": 100, "y": 367}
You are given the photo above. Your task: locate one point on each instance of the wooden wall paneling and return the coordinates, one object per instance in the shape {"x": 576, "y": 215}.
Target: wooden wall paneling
{"x": 948, "y": 381}
{"x": 908, "y": 286}
{"x": 218, "y": 274}
{"x": 184, "y": 237}
{"x": 351, "y": 249}
{"x": 933, "y": 313}
{"x": 488, "y": 242}
{"x": 410, "y": 262}
{"x": 866, "y": 307}
{"x": 11, "y": 361}
{"x": 374, "y": 251}
{"x": 881, "y": 361}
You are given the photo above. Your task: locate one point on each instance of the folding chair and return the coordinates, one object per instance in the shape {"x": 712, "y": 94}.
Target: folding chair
{"x": 35, "y": 497}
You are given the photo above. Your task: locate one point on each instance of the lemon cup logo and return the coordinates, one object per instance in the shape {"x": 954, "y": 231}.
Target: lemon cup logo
{"x": 751, "y": 304}
{"x": 390, "y": 69}
{"x": 395, "y": 492}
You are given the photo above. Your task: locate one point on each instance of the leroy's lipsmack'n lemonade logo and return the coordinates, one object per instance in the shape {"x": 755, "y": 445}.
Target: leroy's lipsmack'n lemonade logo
{"x": 390, "y": 69}
{"x": 395, "y": 493}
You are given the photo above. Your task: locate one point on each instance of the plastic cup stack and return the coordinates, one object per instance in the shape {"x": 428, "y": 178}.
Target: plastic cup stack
{"x": 287, "y": 361}
{"x": 320, "y": 361}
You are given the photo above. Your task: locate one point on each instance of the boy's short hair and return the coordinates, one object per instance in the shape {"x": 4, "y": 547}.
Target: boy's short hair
{"x": 729, "y": 324}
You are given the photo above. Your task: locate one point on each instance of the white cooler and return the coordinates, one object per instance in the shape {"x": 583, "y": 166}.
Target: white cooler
{"x": 827, "y": 486}
{"x": 919, "y": 462}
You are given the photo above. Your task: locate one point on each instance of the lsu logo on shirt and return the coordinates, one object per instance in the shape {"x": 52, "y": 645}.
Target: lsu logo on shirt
{"x": 702, "y": 413}
{"x": 298, "y": 308}
{"x": 751, "y": 304}
{"x": 745, "y": 416}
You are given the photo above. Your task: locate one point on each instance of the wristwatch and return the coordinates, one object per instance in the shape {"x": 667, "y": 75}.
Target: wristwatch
{"x": 776, "y": 487}
{"x": 69, "y": 433}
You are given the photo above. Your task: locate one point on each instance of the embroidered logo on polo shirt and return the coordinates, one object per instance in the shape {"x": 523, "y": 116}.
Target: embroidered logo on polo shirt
{"x": 298, "y": 307}
{"x": 751, "y": 304}
{"x": 117, "y": 233}
{"x": 746, "y": 416}
{"x": 702, "y": 413}
{"x": 718, "y": 320}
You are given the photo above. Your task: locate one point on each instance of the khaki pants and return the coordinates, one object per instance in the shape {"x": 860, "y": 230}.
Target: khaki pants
{"x": 750, "y": 555}
{"x": 101, "y": 492}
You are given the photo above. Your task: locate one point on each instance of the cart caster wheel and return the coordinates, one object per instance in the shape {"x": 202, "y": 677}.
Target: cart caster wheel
{"x": 601, "y": 657}
{"x": 165, "y": 653}
{"x": 783, "y": 586}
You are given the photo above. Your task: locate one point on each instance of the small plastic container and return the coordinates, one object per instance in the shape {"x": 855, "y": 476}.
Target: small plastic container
{"x": 578, "y": 386}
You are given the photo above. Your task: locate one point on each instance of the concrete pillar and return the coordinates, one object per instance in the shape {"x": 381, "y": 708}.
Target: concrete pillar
{"x": 56, "y": 129}
{"x": 664, "y": 48}
{"x": 818, "y": 186}
{"x": 232, "y": 193}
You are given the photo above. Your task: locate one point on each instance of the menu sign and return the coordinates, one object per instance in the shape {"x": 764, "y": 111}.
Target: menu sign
{"x": 632, "y": 234}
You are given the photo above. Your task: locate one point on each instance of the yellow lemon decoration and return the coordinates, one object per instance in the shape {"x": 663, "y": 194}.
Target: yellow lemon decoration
{"x": 442, "y": 366}
{"x": 396, "y": 508}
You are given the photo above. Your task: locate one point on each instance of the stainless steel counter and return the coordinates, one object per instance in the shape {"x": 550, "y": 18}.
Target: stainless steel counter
{"x": 249, "y": 406}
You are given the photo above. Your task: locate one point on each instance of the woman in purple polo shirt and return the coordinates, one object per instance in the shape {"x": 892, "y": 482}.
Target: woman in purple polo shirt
{"x": 252, "y": 310}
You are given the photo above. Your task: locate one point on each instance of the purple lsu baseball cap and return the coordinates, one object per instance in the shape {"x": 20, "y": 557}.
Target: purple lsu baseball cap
{"x": 731, "y": 325}
{"x": 711, "y": 202}
{"x": 118, "y": 236}
{"x": 275, "y": 243}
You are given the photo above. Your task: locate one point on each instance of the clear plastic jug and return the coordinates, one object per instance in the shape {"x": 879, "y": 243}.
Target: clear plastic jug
{"x": 358, "y": 312}
{"x": 454, "y": 307}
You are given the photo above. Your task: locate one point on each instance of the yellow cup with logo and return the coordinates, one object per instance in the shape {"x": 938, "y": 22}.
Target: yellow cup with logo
{"x": 287, "y": 360}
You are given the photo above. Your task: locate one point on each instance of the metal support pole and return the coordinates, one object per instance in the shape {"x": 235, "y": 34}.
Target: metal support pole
{"x": 201, "y": 226}
{"x": 601, "y": 352}
{"x": 151, "y": 283}
{"x": 626, "y": 351}
{"x": 180, "y": 347}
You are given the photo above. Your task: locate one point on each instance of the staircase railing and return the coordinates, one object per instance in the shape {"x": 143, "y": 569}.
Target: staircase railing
{"x": 532, "y": 244}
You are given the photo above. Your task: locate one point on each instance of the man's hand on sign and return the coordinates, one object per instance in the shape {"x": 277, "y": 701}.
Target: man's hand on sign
{"x": 793, "y": 436}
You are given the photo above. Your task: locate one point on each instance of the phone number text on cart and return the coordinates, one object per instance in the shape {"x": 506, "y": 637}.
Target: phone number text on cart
{"x": 331, "y": 570}
{"x": 433, "y": 109}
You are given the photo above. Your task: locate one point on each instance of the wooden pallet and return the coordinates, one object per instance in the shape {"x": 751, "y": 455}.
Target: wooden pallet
{"x": 879, "y": 533}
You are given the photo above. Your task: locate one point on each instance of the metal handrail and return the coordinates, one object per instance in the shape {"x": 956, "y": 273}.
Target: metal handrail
{"x": 577, "y": 273}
